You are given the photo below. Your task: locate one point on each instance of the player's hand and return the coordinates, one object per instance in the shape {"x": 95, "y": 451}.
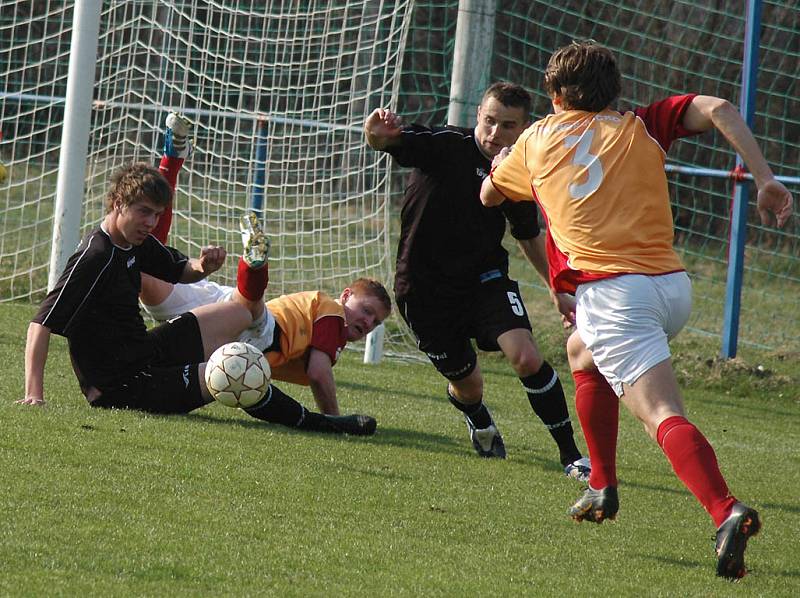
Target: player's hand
{"x": 39, "y": 401}
{"x": 501, "y": 155}
{"x": 382, "y": 126}
{"x": 565, "y": 304}
{"x": 774, "y": 203}
{"x": 212, "y": 258}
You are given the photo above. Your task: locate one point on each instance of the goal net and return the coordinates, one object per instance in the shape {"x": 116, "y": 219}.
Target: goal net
{"x": 277, "y": 91}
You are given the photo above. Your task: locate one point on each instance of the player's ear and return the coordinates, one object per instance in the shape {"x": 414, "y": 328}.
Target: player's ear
{"x": 345, "y": 295}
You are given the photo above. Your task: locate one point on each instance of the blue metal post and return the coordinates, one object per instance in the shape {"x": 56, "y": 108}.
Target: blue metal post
{"x": 747, "y": 105}
{"x": 259, "y": 184}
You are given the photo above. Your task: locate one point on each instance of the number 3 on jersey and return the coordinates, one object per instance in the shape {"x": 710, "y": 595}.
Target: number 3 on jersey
{"x": 516, "y": 303}
{"x": 594, "y": 169}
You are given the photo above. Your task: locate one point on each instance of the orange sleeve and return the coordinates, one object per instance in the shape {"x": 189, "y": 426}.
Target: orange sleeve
{"x": 511, "y": 176}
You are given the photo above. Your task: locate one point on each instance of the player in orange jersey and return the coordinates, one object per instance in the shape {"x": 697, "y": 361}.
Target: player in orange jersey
{"x": 598, "y": 176}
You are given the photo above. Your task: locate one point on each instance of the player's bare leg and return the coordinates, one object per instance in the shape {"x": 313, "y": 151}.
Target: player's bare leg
{"x": 654, "y": 397}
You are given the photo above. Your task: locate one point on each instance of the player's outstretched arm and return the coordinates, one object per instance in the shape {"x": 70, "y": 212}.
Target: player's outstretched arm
{"x": 320, "y": 375}
{"x": 382, "y": 129}
{"x": 774, "y": 200}
{"x": 36, "y": 348}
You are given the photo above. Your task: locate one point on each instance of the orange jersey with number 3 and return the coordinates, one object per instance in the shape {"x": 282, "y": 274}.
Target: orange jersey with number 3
{"x": 599, "y": 179}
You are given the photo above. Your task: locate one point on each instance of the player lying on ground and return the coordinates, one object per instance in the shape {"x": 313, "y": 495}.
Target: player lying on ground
{"x": 598, "y": 175}
{"x": 301, "y": 334}
{"x": 452, "y": 282}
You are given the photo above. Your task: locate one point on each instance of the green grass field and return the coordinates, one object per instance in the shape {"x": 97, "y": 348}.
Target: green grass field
{"x": 215, "y": 503}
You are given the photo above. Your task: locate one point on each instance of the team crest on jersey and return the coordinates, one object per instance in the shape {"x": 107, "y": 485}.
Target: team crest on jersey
{"x": 481, "y": 172}
{"x": 131, "y": 261}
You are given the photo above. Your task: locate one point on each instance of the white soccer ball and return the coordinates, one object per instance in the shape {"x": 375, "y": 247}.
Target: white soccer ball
{"x": 238, "y": 375}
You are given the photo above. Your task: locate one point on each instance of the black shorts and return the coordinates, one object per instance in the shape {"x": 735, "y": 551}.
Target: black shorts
{"x": 170, "y": 382}
{"x": 444, "y": 327}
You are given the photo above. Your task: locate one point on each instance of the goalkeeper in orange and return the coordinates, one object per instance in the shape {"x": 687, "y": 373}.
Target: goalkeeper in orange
{"x": 598, "y": 175}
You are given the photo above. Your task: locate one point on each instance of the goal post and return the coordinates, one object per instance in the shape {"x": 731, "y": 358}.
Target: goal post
{"x": 75, "y": 139}
{"x": 472, "y": 60}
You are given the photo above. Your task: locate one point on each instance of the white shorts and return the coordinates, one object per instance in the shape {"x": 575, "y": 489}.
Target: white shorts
{"x": 627, "y": 321}
{"x": 186, "y": 297}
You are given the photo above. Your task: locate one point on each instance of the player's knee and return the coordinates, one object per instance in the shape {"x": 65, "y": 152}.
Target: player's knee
{"x": 580, "y": 358}
{"x": 526, "y": 361}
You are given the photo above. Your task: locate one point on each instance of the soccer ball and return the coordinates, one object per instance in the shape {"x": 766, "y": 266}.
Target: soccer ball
{"x": 238, "y": 375}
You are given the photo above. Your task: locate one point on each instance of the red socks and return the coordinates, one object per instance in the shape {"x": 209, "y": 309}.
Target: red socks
{"x": 169, "y": 167}
{"x": 250, "y": 282}
{"x": 598, "y": 411}
{"x": 695, "y": 464}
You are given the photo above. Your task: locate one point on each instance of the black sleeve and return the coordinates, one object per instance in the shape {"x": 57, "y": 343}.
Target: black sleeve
{"x": 424, "y": 147}
{"x": 523, "y": 216}
{"x": 161, "y": 261}
{"x": 74, "y": 288}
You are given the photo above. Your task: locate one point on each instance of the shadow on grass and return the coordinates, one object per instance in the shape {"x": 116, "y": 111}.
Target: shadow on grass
{"x": 682, "y": 562}
{"x": 372, "y": 389}
{"x": 400, "y": 437}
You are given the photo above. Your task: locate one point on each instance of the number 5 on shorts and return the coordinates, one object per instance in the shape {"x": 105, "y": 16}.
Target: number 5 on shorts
{"x": 516, "y": 303}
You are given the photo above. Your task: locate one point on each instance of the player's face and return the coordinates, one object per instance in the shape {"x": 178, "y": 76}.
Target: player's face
{"x": 137, "y": 220}
{"x": 362, "y": 313}
{"x": 498, "y": 125}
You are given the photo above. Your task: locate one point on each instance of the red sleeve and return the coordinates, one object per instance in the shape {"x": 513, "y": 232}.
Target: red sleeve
{"x": 328, "y": 336}
{"x": 664, "y": 119}
{"x": 169, "y": 167}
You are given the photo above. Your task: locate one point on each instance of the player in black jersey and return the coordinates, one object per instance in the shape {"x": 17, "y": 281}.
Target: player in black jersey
{"x": 452, "y": 283}
{"x": 94, "y": 304}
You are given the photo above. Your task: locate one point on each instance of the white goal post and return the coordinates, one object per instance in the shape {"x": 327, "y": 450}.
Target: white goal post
{"x": 278, "y": 92}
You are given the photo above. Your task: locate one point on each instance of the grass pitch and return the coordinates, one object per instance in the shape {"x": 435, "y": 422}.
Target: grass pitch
{"x": 215, "y": 503}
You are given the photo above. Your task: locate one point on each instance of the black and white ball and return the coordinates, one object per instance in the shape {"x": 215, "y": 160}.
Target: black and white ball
{"x": 238, "y": 375}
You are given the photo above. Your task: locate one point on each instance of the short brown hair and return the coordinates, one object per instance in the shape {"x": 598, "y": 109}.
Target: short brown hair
{"x": 136, "y": 182}
{"x": 371, "y": 286}
{"x": 510, "y": 95}
{"x": 585, "y": 75}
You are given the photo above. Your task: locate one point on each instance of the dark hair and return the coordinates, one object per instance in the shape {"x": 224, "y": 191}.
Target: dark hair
{"x": 136, "y": 182}
{"x": 511, "y": 95}
{"x": 371, "y": 286}
{"x": 585, "y": 75}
